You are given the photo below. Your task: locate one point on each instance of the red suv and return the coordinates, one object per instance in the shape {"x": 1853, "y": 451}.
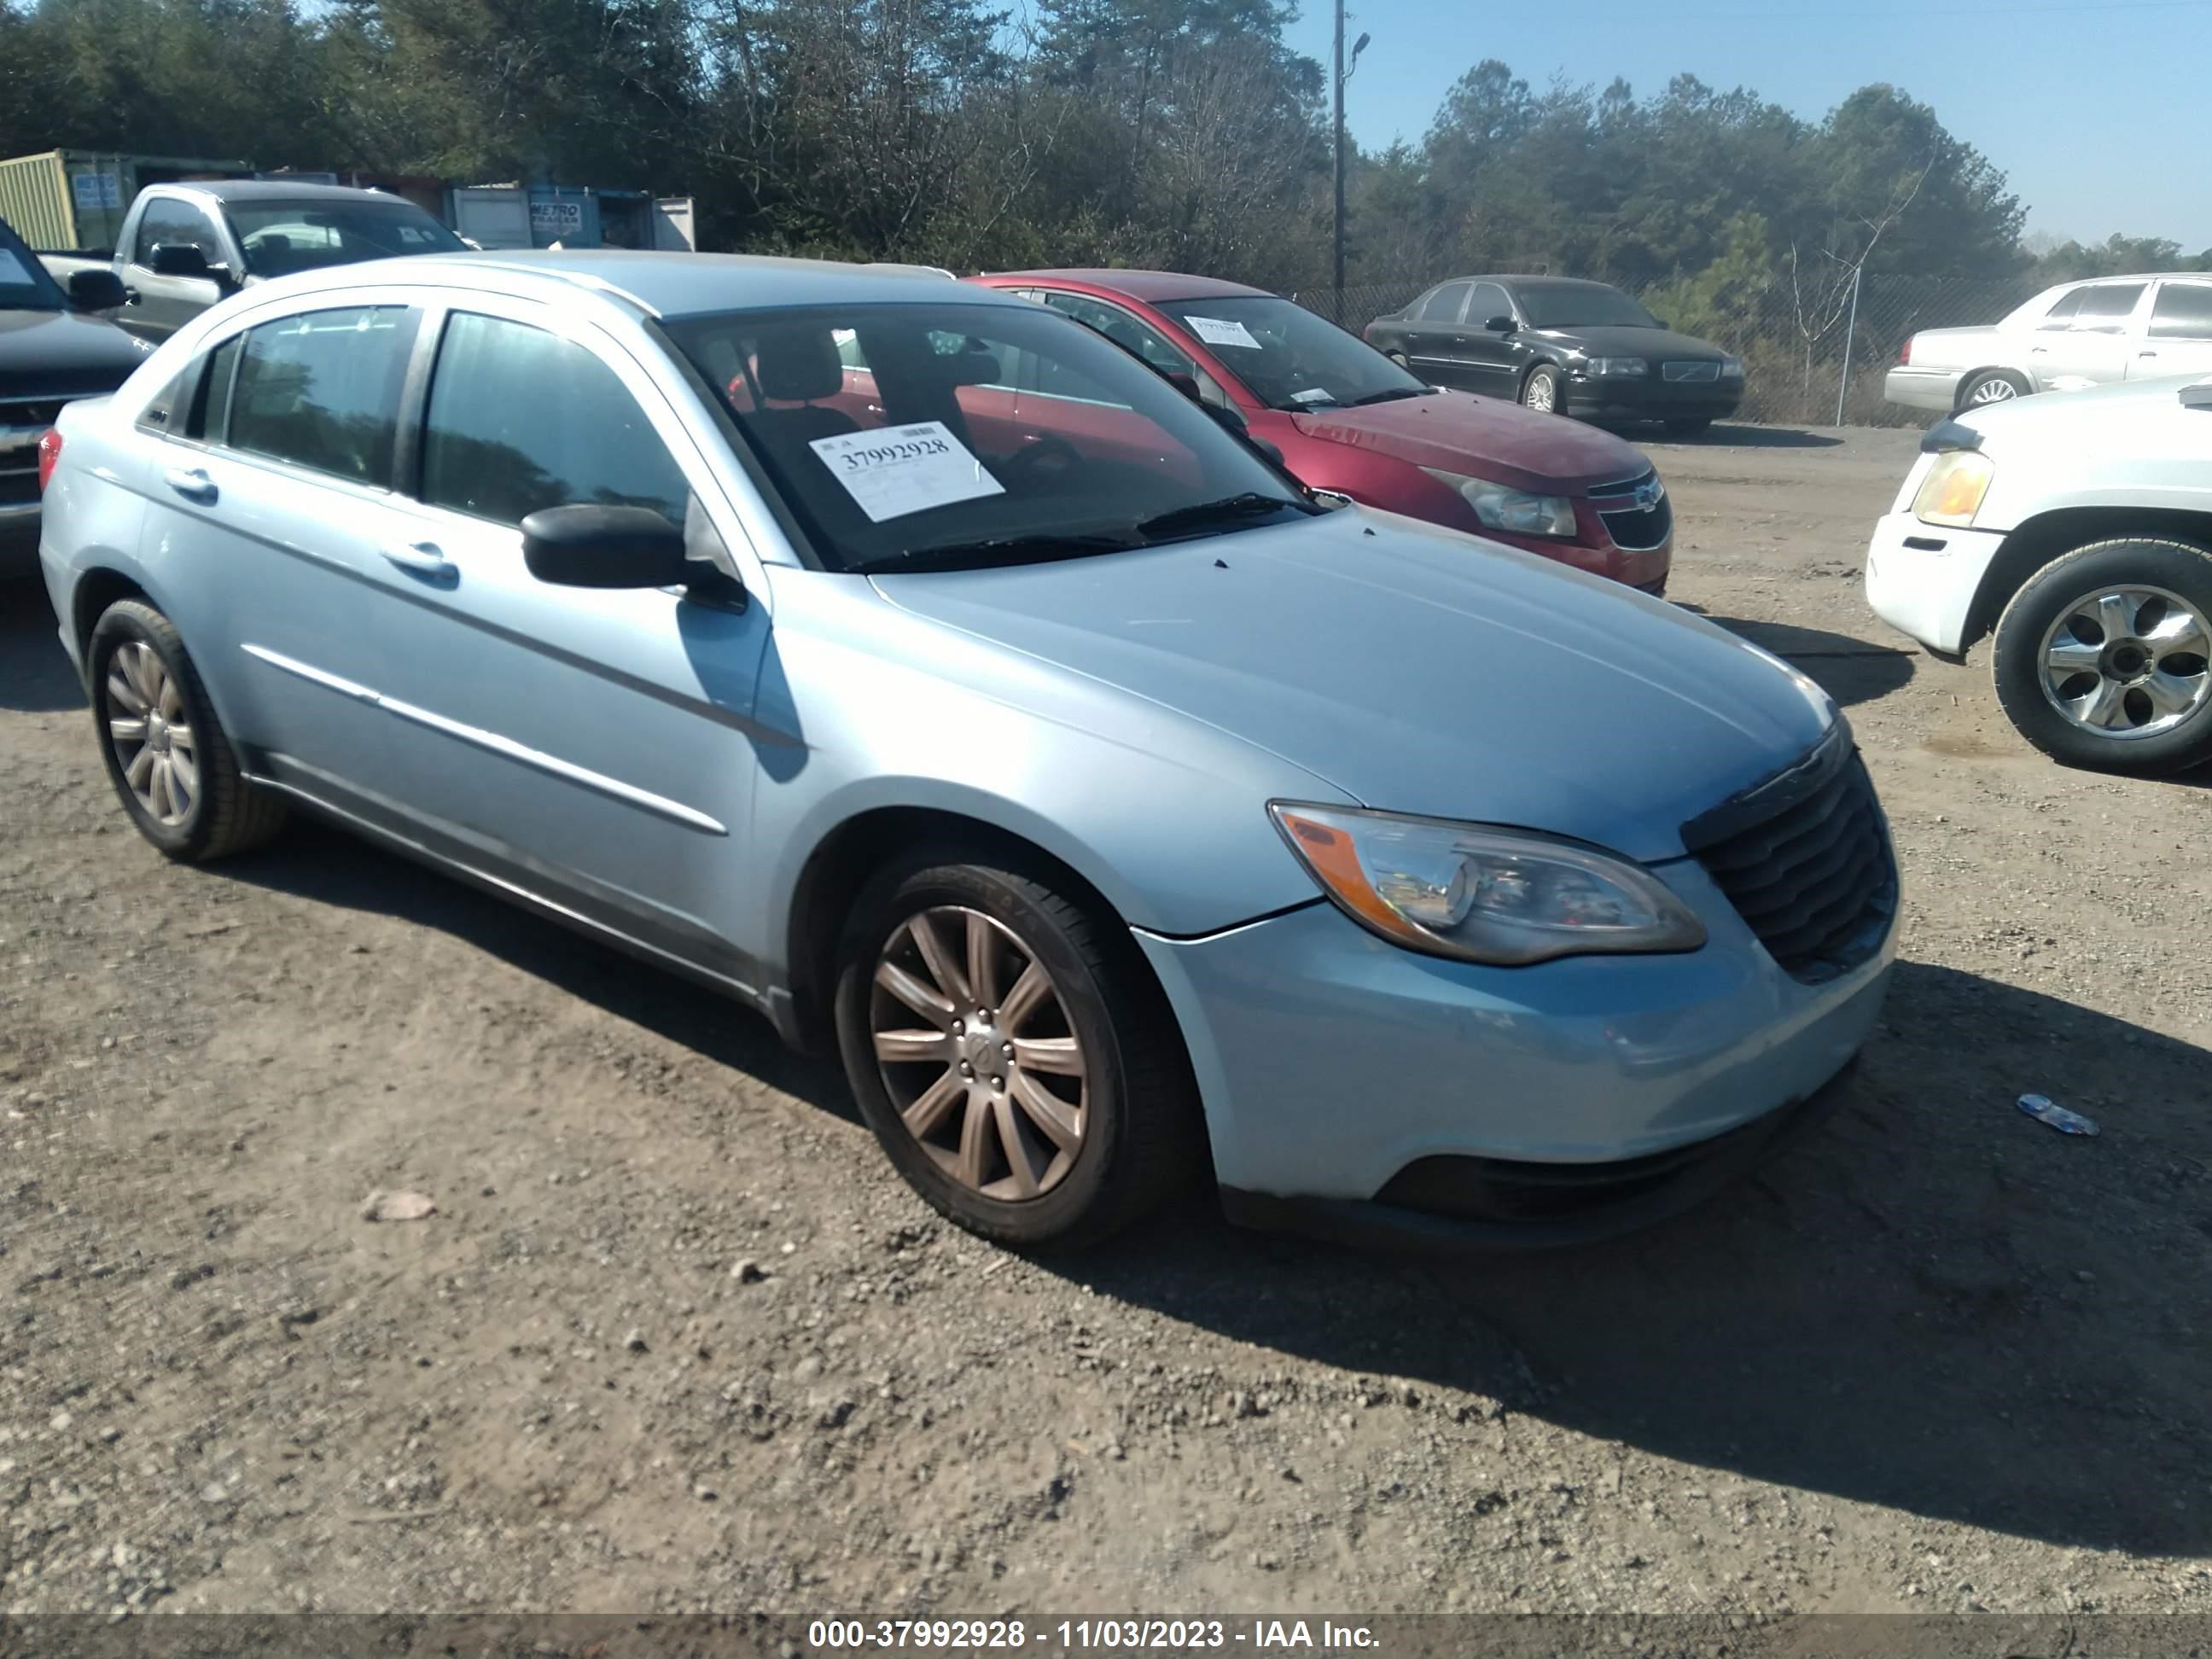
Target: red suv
{"x": 1347, "y": 419}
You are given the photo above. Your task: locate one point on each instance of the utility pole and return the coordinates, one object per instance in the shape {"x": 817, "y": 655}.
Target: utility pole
{"x": 1338, "y": 305}
{"x": 1342, "y": 74}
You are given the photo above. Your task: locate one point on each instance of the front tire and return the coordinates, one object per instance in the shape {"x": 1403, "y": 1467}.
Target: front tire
{"x": 2100, "y": 660}
{"x": 172, "y": 764}
{"x": 1991, "y": 385}
{"x": 1543, "y": 390}
{"x": 1011, "y": 1052}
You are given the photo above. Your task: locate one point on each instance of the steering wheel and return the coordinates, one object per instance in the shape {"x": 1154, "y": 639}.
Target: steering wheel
{"x": 1053, "y": 454}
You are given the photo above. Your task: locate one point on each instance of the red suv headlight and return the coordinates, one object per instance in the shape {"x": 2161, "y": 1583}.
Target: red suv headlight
{"x": 50, "y": 455}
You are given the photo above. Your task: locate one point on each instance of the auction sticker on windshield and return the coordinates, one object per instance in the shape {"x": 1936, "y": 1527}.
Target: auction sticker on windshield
{"x": 1221, "y": 332}
{"x": 895, "y": 470}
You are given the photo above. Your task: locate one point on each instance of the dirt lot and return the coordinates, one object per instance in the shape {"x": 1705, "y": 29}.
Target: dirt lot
{"x": 1941, "y": 1357}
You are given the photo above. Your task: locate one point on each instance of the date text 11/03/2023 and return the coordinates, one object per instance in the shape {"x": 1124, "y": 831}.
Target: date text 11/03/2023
{"x": 1087, "y": 1636}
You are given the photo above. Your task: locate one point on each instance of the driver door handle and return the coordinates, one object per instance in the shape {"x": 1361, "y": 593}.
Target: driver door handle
{"x": 423, "y": 558}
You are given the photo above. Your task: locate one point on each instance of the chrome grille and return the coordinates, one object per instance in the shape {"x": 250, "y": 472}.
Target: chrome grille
{"x": 1691, "y": 371}
{"x": 1805, "y": 858}
{"x": 1637, "y": 514}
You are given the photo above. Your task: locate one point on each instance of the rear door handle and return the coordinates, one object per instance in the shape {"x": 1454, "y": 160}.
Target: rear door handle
{"x": 191, "y": 483}
{"x": 423, "y": 558}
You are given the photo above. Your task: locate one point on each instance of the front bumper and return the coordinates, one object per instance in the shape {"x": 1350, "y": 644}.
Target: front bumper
{"x": 1331, "y": 1062}
{"x": 1922, "y": 388}
{"x": 1647, "y": 398}
{"x": 1921, "y": 579}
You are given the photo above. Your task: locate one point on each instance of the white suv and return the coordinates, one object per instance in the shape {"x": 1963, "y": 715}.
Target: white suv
{"x": 2078, "y": 531}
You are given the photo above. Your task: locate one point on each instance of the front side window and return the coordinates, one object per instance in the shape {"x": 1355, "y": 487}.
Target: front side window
{"x": 2106, "y": 307}
{"x": 1489, "y": 301}
{"x": 970, "y": 434}
{"x": 169, "y": 223}
{"x": 1288, "y": 357}
{"x": 2061, "y": 316}
{"x": 2184, "y": 312}
{"x": 278, "y": 238}
{"x": 1444, "y": 304}
{"x": 321, "y": 390}
{"x": 520, "y": 419}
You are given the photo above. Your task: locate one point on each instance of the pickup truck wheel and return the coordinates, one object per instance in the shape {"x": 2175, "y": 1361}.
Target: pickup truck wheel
{"x": 1011, "y": 1052}
{"x": 173, "y": 767}
{"x": 1992, "y": 386}
{"x": 2102, "y": 660}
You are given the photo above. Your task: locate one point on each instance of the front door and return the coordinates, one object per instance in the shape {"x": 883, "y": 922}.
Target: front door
{"x": 2179, "y": 338}
{"x": 158, "y": 305}
{"x": 593, "y": 746}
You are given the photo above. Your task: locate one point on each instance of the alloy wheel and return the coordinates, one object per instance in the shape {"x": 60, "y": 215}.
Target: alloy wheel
{"x": 1540, "y": 393}
{"x": 151, "y": 733}
{"x": 993, "y": 1081}
{"x": 1995, "y": 390}
{"x": 2125, "y": 663}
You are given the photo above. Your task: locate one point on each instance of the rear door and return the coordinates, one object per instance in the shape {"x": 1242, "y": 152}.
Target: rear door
{"x": 1436, "y": 337}
{"x": 159, "y": 306}
{"x": 1490, "y": 359}
{"x": 2100, "y": 338}
{"x": 269, "y": 503}
{"x": 2178, "y": 340}
{"x": 591, "y": 746}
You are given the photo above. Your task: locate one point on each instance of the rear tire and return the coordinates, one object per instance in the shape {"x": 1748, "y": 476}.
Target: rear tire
{"x": 172, "y": 763}
{"x": 1990, "y": 386}
{"x": 1047, "y": 1108}
{"x": 2100, "y": 660}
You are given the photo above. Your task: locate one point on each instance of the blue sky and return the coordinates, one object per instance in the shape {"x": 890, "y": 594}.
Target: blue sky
{"x": 2100, "y": 111}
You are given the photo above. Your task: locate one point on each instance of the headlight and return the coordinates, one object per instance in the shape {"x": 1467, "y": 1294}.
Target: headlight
{"x": 1515, "y": 510}
{"x": 1953, "y": 490}
{"x": 1489, "y": 896}
{"x": 1731, "y": 368}
{"x": 1618, "y": 366}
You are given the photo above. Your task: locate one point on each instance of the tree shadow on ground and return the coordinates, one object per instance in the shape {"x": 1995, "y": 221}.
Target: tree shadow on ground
{"x": 1936, "y": 1303}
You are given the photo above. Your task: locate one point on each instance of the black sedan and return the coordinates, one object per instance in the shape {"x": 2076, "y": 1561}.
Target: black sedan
{"x": 1564, "y": 345}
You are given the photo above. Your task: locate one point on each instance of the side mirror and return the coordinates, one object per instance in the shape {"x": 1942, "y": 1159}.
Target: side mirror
{"x": 1502, "y": 325}
{"x": 1184, "y": 382}
{"x": 181, "y": 260}
{"x": 588, "y": 546}
{"x": 976, "y": 364}
{"x": 96, "y": 290}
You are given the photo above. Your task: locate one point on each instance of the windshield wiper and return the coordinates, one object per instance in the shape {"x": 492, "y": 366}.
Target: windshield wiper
{"x": 1202, "y": 515}
{"x": 1389, "y": 397}
{"x": 997, "y": 549}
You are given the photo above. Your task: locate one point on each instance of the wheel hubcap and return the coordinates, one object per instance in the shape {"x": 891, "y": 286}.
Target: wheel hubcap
{"x": 1540, "y": 393}
{"x": 151, "y": 737}
{"x": 1993, "y": 391}
{"x": 993, "y": 1082}
{"x": 2128, "y": 662}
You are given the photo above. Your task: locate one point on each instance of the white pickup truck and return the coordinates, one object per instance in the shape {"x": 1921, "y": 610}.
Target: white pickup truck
{"x": 2075, "y": 335}
{"x": 2078, "y": 531}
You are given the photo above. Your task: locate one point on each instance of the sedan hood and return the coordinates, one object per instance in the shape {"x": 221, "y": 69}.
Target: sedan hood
{"x": 1483, "y": 438}
{"x": 1415, "y": 670}
{"x": 1652, "y": 342}
{"x": 63, "y": 354}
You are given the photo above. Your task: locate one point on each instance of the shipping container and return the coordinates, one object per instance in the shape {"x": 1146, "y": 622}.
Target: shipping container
{"x": 64, "y": 199}
{"x": 569, "y": 215}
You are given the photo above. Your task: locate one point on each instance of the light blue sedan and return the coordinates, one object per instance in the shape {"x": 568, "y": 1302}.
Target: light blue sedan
{"x": 909, "y": 662}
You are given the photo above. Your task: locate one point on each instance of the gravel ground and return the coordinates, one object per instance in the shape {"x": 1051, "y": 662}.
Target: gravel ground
{"x": 675, "y": 1338}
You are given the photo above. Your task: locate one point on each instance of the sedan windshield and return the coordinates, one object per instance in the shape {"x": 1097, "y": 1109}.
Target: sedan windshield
{"x": 24, "y": 283}
{"x": 1580, "y": 305}
{"x": 921, "y": 436}
{"x": 279, "y": 237}
{"x": 1289, "y": 358}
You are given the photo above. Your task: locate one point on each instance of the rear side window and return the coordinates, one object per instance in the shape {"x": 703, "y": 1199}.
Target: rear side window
{"x": 2184, "y": 312}
{"x": 2106, "y": 307}
{"x": 321, "y": 390}
{"x": 1444, "y": 305}
{"x": 521, "y": 419}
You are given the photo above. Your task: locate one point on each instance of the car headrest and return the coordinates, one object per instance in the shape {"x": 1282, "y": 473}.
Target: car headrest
{"x": 798, "y": 364}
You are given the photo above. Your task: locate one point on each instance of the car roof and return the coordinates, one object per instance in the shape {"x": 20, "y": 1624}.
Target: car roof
{"x": 2138, "y": 276}
{"x": 273, "y": 189}
{"x": 665, "y": 285}
{"x": 1512, "y": 278}
{"x": 1146, "y": 285}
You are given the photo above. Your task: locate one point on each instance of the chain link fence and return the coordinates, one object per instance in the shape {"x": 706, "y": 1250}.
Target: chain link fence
{"x": 1809, "y": 359}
